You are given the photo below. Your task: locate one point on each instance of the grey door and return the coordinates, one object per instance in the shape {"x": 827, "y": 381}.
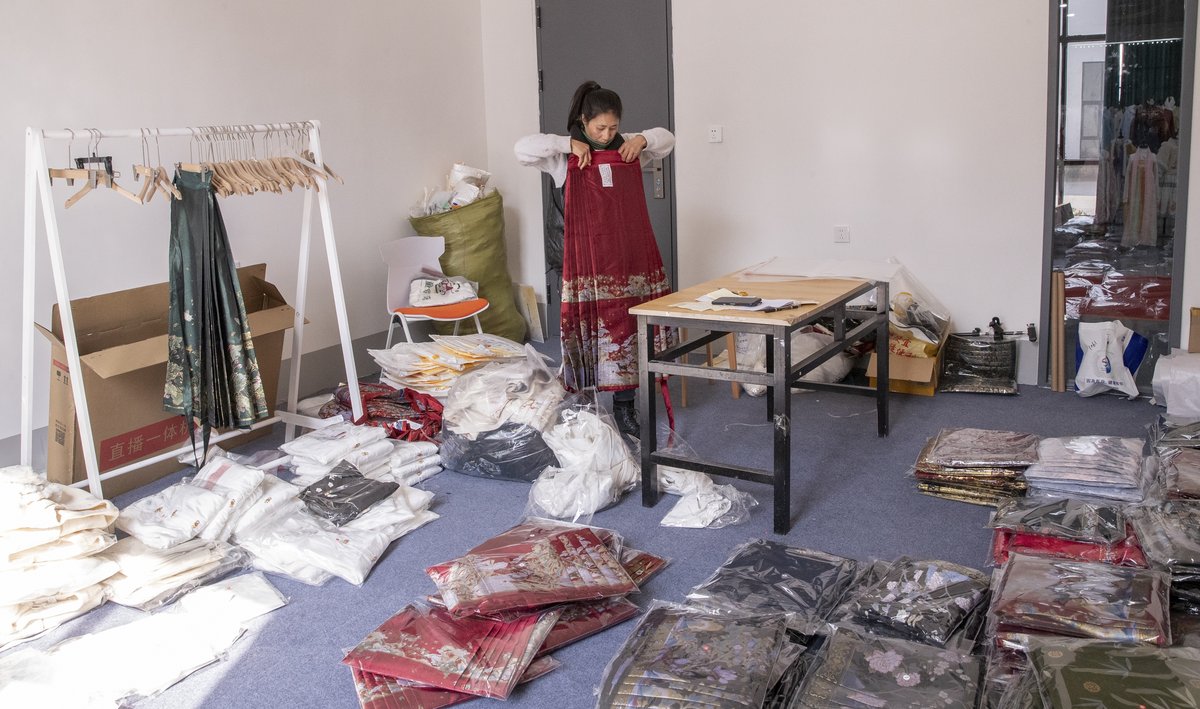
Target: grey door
{"x": 625, "y": 45}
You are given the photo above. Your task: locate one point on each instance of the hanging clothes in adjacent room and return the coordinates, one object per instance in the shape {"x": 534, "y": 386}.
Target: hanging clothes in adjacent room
{"x": 1141, "y": 199}
{"x": 212, "y": 372}
{"x": 611, "y": 263}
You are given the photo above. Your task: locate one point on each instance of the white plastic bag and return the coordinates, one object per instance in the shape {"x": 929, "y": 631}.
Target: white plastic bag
{"x": 752, "y": 354}
{"x": 1102, "y": 366}
{"x": 1177, "y": 385}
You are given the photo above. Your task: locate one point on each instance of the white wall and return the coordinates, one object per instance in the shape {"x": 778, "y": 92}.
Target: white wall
{"x": 919, "y": 124}
{"x": 398, "y": 87}
{"x": 510, "y": 95}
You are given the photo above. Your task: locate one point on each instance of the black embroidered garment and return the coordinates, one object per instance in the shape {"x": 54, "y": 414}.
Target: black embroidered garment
{"x": 924, "y": 601}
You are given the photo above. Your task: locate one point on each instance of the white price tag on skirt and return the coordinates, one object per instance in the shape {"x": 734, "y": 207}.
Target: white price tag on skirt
{"x": 606, "y": 175}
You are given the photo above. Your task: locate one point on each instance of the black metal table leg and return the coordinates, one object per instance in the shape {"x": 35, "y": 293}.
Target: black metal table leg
{"x": 770, "y": 345}
{"x": 781, "y": 414}
{"x": 882, "y": 377}
{"x": 647, "y": 411}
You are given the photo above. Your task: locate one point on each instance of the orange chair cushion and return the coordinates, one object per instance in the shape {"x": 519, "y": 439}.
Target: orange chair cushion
{"x": 453, "y": 311}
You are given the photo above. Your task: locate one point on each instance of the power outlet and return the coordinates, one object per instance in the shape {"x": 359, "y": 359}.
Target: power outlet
{"x": 716, "y": 134}
{"x": 841, "y": 234}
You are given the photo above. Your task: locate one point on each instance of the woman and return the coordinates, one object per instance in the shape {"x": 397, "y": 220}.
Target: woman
{"x": 610, "y": 259}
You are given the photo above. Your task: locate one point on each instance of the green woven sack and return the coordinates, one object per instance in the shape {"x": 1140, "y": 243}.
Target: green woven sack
{"x": 475, "y": 249}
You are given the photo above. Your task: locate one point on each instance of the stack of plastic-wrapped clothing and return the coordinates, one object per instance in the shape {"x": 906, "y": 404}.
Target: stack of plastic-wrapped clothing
{"x": 50, "y": 538}
{"x": 496, "y": 418}
{"x": 115, "y": 666}
{"x": 405, "y": 414}
{"x": 1178, "y": 448}
{"x": 1105, "y": 468}
{"x": 976, "y": 465}
{"x": 434, "y": 367}
{"x": 1065, "y": 529}
{"x": 502, "y": 607}
{"x": 367, "y": 449}
{"x": 1170, "y": 535}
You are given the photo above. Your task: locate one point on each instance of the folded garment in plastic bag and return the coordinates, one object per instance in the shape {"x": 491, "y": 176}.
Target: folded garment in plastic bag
{"x": 37, "y": 513}
{"x": 23, "y": 621}
{"x": 296, "y": 544}
{"x": 581, "y": 620}
{"x": 511, "y": 452}
{"x": 332, "y": 443}
{"x": 239, "y": 484}
{"x": 240, "y": 598}
{"x": 276, "y": 494}
{"x": 682, "y": 656}
{"x": 53, "y": 578}
{"x": 763, "y": 576}
{"x": 1080, "y": 599}
{"x": 921, "y": 600}
{"x": 85, "y": 542}
{"x": 873, "y": 671}
{"x": 1181, "y": 472}
{"x": 474, "y": 655}
{"x": 1091, "y": 467}
{"x": 982, "y": 448}
{"x": 1090, "y": 674}
{"x": 383, "y": 692}
{"x": 407, "y": 452}
{"x": 171, "y": 516}
{"x": 555, "y": 566}
{"x": 113, "y": 667}
{"x": 150, "y": 578}
{"x": 344, "y": 494}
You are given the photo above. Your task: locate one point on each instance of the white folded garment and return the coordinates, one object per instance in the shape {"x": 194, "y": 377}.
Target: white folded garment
{"x": 237, "y": 483}
{"x": 23, "y": 621}
{"x": 572, "y": 494}
{"x": 418, "y": 476}
{"x": 241, "y": 598}
{"x": 294, "y": 542}
{"x": 403, "y": 471}
{"x": 85, "y": 542}
{"x": 371, "y": 454}
{"x": 236, "y": 508}
{"x": 276, "y": 494}
{"x": 675, "y": 481}
{"x": 332, "y": 443}
{"x": 138, "y": 659}
{"x": 63, "y": 510}
{"x": 412, "y": 451}
{"x": 53, "y": 578}
{"x": 171, "y": 516}
{"x": 150, "y": 576}
{"x": 136, "y": 593}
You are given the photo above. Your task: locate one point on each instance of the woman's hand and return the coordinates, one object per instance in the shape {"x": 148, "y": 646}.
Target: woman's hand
{"x": 632, "y": 149}
{"x": 582, "y": 151}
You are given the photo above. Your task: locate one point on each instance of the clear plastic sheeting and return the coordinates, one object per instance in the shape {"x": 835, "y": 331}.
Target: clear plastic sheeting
{"x": 682, "y": 656}
{"x": 1034, "y": 595}
{"x": 874, "y": 671}
{"x": 1070, "y": 675}
{"x": 713, "y": 507}
{"x": 924, "y": 600}
{"x": 752, "y": 355}
{"x": 521, "y": 391}
{"x": 1092, "y": 467}
{"x": 763, "y": 576}
{"x": 596, "y": 467}
{"x": 512, "y": 451}
{"x": 472, "y": 655}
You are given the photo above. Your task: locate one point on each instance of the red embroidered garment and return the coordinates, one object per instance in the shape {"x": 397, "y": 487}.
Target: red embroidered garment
{"x": 1126, "y": 552}
{"x": 581, "y": 620}
{"x": 475, "y": 655}
{"x": 610, "y": 264}
{"x": 382, "y": 692}
{"x": 534, "y": 570}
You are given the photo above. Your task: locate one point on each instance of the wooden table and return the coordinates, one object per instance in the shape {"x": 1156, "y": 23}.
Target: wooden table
{"x": 850, "y": 324}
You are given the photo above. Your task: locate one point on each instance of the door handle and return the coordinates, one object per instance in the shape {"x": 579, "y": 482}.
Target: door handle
{"x": 655, "y": 167}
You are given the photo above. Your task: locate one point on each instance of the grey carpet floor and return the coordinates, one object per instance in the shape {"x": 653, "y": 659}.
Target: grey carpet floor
{"x": 851, "y": 495}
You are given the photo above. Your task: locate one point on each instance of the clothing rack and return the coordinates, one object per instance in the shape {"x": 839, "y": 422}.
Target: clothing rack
{"x": 37, "y": 191}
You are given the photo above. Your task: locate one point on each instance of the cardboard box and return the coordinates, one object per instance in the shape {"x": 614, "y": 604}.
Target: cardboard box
{"x": 123, "y": 350}
{"x": 911, "y": 375}
{"x": 1194, "y": 331}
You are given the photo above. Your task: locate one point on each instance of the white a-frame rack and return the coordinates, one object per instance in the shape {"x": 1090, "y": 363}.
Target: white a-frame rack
{"x": 37, "y": 191}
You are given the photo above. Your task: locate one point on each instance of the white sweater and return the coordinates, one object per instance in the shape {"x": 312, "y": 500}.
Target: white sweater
{"x": 549, "y": 152}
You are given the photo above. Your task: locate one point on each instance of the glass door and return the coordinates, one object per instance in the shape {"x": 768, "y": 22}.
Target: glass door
{"x": 1123, "y": 81}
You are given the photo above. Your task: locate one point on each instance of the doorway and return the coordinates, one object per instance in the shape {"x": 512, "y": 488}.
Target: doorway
{"x": 630, "y": 55}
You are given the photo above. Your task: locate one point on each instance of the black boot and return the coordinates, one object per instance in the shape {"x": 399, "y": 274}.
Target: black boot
{"x": 627, "y": 419}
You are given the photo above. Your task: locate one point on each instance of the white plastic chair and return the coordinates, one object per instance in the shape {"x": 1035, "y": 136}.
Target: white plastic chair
{"x": 407, "y": 259}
